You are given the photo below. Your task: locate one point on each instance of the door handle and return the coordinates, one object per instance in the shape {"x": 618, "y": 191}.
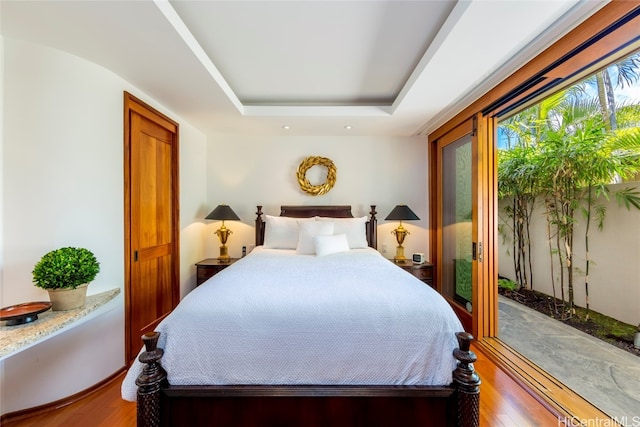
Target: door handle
{"x": 476, "y": 251}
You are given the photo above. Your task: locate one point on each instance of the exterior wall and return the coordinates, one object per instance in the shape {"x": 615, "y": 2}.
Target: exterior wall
{"x": 614, "y": 274}
{"x": 63, "y": 186}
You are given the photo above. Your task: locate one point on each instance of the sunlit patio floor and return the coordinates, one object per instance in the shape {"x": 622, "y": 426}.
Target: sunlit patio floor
{"x": 603, "y": 374}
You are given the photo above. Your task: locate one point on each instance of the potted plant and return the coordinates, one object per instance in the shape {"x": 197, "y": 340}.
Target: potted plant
{"x": 65, "y": 273}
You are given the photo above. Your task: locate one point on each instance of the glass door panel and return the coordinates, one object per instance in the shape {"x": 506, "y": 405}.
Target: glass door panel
{"x": 456, "y": 214}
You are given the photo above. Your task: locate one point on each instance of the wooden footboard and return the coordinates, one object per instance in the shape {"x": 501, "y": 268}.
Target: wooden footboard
{"x": 160, "y": 404}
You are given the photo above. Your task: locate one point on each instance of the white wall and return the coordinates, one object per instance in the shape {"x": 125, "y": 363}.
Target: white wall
{"x": 382, "y": 171}
{"x": 62, "y": 174}
{"x": 193, "y": 188}
{"x": 63, "y": 185}
{"x": 2, "y": 102}
{"x": 614, "y": 274}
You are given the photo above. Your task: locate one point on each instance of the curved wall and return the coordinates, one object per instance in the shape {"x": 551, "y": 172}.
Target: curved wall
{"x": 63, "y": 186}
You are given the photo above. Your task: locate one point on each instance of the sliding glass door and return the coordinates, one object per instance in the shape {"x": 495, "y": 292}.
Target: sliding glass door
{"x": 463, "y": 182}
{"x": 457, "y": 245}
{"x": 611, "y": 30}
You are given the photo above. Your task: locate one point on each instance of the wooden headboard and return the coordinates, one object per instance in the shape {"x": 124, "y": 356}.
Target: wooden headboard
{"x": 342, "y": 211}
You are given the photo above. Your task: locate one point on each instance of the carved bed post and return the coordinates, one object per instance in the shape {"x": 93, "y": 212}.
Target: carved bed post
{"x": 149, "y": 382}
{"x": 259, "y": 227}
{"x": 373, "y": 228}
{"x": 467, "y": 382}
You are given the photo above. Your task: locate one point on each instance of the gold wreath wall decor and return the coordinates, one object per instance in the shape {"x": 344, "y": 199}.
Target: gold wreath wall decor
{"x": 308, "y": 163}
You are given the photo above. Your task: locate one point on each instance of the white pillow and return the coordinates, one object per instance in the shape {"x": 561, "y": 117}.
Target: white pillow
{"x": 353, "y": 228}
{"x": 307, "y": 231}
{"x": 329, "y": 245}
{"x": 281, "y": 232}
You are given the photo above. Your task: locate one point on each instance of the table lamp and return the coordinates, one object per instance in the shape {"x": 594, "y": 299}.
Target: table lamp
{"x": 401, "y": 213}
{"x": 223, "y": 212}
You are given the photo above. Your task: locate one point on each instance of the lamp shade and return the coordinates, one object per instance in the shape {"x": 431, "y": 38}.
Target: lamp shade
{"x": 402, "y": 213}
{"x": 223, "y": 212}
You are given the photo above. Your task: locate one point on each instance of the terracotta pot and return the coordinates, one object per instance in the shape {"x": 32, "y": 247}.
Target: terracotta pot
{"x": 68, "y": 299}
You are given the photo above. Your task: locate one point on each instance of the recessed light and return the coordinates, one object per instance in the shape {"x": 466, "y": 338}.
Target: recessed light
{"x": 286, "y": 127}
{"x": 347, "y": 127}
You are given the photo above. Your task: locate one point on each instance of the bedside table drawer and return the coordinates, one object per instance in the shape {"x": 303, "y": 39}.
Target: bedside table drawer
{"x": 210, "y": 267}
{"x": 205, "y": 272}
{"x": 422, "y": 273}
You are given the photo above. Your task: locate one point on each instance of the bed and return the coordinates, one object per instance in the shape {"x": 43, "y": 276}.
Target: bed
{"x": 313, "y": 327}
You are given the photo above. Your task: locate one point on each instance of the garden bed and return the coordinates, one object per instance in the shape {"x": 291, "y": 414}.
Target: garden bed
{"x": 603, "y": 327}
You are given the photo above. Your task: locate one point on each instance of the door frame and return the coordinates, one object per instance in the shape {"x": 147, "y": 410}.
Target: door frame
{"x": 484, "y": 269}
{"x": 133, "y": 104}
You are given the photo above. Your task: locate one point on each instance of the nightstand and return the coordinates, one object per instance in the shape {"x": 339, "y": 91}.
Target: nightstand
{"x": 422, "y": 271}
{"x": 210, "y": 267}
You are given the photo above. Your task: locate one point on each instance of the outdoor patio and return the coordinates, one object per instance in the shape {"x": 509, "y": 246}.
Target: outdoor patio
{"x": 603, "y": 374}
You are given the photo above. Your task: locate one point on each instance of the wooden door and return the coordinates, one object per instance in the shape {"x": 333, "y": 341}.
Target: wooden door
{"x": 151, "y": 220}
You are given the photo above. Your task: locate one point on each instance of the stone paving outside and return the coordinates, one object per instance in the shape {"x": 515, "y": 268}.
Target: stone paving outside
{"x": 603, "y": 374}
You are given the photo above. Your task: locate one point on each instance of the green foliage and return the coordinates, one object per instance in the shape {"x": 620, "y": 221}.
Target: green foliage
{"x": 565, "y": 151}
{"x": 65, "y": 268}
{"x": 518, "y": 183}
{"x": 629, "y": 197}
{"x": 628, "y": 116}
{"x": 596, "y": 324}
{"x": 463, "y": 279}
{"x": 508, "y": 284}
{"x": 605, "y": 327}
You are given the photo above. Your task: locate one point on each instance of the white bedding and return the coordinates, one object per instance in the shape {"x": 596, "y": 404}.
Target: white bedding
{"x": 275, "y": 317}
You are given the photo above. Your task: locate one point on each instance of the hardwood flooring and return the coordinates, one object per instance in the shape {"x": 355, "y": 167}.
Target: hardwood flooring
{"x": 503, "y": 403}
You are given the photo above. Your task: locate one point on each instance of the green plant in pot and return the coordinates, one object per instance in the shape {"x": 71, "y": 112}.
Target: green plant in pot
{"x": 65, "y": 273}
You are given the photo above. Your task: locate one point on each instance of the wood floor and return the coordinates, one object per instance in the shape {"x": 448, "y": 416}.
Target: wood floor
{"x": 503, "y": 403}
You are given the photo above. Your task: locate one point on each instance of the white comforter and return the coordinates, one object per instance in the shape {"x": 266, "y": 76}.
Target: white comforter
{"x": 275, "y": 317}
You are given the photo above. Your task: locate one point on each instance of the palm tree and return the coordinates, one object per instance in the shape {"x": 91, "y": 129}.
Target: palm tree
{"x": 571, "y": 148}
{"x": 626, "y": 73}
